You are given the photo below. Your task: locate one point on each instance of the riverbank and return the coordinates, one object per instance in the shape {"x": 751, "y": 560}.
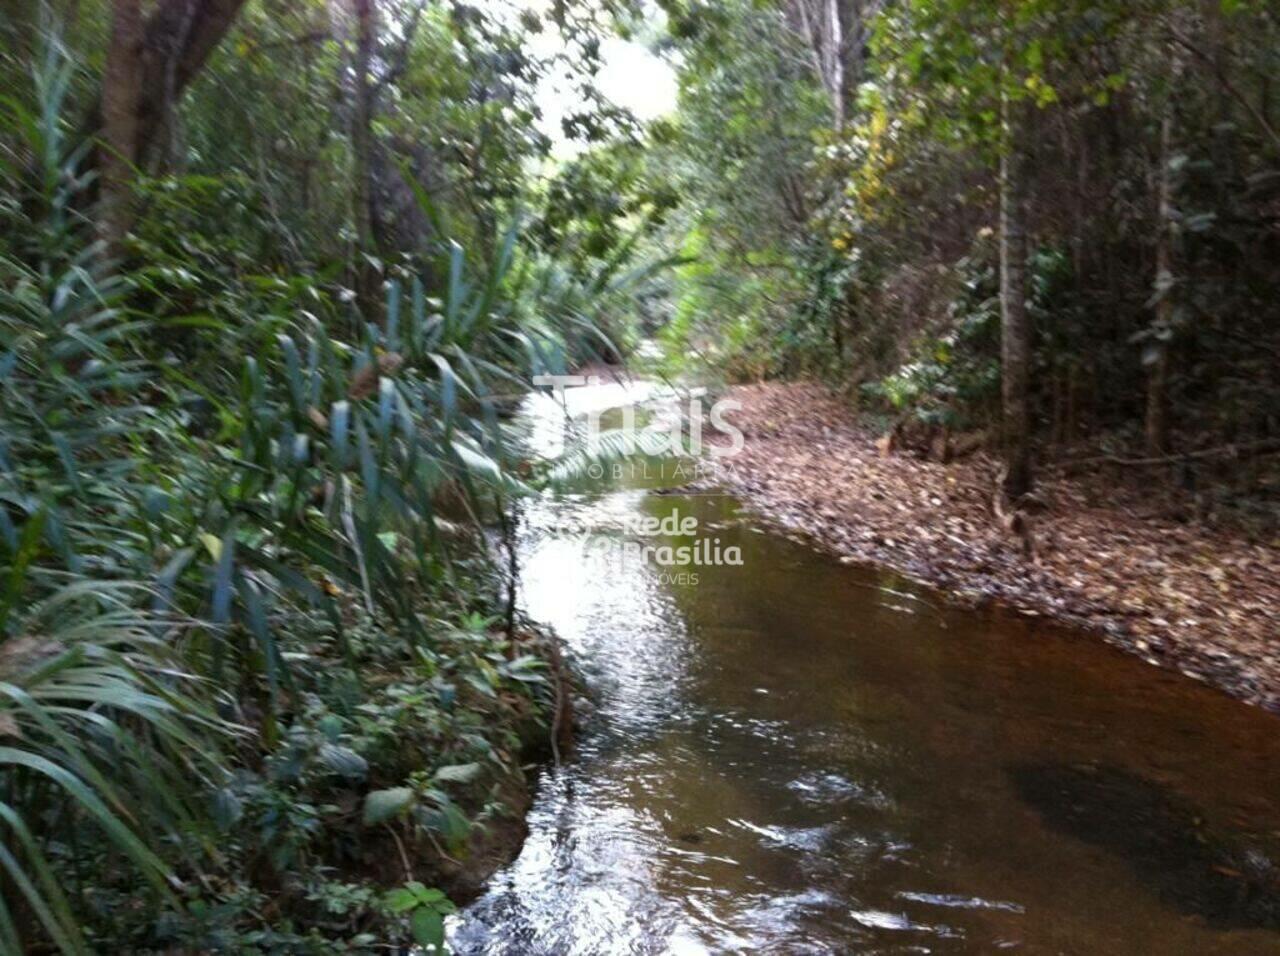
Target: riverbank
{"x": 539, "y": 737}
{"x": 1179, "y": 595}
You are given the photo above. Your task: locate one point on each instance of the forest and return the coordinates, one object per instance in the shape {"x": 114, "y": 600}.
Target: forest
{"x": 993, "y": 286}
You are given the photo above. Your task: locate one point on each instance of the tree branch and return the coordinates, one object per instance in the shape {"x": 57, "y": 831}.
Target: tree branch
{"x": 1225, "y": 82}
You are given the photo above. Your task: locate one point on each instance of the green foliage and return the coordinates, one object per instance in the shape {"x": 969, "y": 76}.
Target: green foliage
{"x": 242, "y": 551}
{"x": 952, "y": 376}
{"x": 101, "y": 718}
{"x": 737, "y": 154}
{"x": 425, "y": 909}
{"x": 96, "y": 720}
{"x": 840, "y": 251}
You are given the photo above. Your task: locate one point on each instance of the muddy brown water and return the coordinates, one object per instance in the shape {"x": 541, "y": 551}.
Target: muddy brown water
{"x": 788, "y": 755}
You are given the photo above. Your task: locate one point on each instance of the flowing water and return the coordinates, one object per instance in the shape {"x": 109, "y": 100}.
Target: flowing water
{"x": 788, "y": 755}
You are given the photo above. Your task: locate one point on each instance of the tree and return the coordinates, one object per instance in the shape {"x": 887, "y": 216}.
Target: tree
{"x": 1157, "y": 353}
{"x": 985, "y": 61}
{"x": 148, "y": 68}
{"x": 121, "y": 82}
{"x": 1159, "y": 336}
{"x": 362, "y": 153}
{"x": 180, "y": 37}
{"x": 984, "y": 74}
{"x": 1015, "y": 325}
{"x": 836, "y": 32}
{"x": 740, "y": 154}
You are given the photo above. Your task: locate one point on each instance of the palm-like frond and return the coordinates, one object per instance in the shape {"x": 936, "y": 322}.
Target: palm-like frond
{"x": 99, "y": 726}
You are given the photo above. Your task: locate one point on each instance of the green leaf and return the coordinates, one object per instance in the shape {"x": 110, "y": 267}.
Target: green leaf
{"x": 228, "y": 808}
{"x": 382, "y": 805}
{"x": 339, "y": 429}
{"x": 402, "y": 900}
{"x": 428, "y": 927}
{"x": 458, "y": 773}
{"x": 425, "y": 895}
{"x": 344, "y": 761}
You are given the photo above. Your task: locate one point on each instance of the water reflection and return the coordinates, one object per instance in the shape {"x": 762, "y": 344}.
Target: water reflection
{"x": 792, "y": 756}
{"x": 1227, "y": 878}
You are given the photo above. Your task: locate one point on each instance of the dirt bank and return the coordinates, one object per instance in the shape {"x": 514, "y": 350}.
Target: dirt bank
{"x": 1177, "y": 594}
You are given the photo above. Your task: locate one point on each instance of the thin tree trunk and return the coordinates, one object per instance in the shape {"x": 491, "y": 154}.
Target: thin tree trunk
{"x": 819, "y": 23}
{"x": 835, "y": 38}
{"x": 121, "y": 83}
{"x": 362, "y": 154}
{"x": 1015, "y": 328}
{"x": 1157, "y": 425}
{"x": 1157, "y": 418}
{"x": 837, "y": 333}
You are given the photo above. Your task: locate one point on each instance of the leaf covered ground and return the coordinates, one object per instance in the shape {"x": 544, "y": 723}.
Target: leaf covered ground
{"x": 1180, "y": 595}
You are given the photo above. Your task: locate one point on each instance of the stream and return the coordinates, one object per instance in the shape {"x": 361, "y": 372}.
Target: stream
{"x": 789, "y": 755}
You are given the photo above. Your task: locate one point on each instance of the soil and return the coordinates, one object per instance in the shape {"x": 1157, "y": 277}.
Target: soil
{"x": 1180, "y": 595}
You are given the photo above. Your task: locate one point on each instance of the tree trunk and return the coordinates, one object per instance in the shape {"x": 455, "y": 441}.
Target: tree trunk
{"x": 362, "y": 155}
{"x": 1015, "y": 328}
{"x": 180, "y": 37}
{"x": 820, "y": 24}
{"x": 139, "y": 92}
{"x": 1157, "y": 355}
{"x": 837, "y": 333}
{"x": 835, "y": 39}
{"x": 121, "y": 83}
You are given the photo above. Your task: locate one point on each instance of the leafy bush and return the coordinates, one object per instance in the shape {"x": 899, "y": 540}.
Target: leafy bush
{"x": 953, "y": 377}
{"x": 241, "y": 560}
